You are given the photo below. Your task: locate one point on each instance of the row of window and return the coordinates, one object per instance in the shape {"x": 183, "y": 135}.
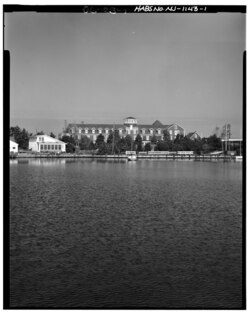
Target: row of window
{"x": 144, "y": 137}
{"x": 50, "y": 147}
{"x": 107, "y": 131}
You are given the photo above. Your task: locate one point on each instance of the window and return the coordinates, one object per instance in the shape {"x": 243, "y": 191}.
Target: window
{"x": 45, "y": 147}
{"x": 52, "y": 147}
{"x": 55, "y": 147}
{"x": 59, "y": 147}
{"x": 41, "y": 147}
{"x": 48, "y": 147}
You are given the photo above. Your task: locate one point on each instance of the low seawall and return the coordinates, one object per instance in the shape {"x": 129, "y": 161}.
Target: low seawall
{"x": 140, "y": 157}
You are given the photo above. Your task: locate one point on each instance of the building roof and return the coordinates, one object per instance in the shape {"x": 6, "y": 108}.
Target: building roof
{"x": 189, "y": 135}
{"x": 95, "y": 125}
{"x": 157, "y": 124}
{"x": 33, "y": 138}
{"x": 12, "y": 139}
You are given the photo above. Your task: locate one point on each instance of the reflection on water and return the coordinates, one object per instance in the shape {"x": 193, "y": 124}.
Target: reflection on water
{"x": 145, "y": 234}
{"x": 39, "y": 161}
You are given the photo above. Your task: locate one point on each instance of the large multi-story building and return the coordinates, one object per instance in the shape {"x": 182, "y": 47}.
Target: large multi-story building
{"x": 129, "y": 127}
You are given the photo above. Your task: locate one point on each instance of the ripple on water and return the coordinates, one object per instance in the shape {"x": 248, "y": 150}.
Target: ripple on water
{"x": 152, "y": 234}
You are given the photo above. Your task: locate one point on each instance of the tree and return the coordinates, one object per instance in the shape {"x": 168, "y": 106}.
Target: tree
{"x": 214, "y": 143}
{"x": 84, "y": 143}
{"x": 103, "y": 149}
{"x": 177, "y": 147}
{"x": 153, "y": 139}
{"x": 21, "y": 137}
{"x": 52, "y": 135}
{"x": 40, "y": 133}
{"x": 14, "y": 130}
{"x": 71, "y": 145}
{"x": 129, "y": 142}
{"x": 99, "y": 140}
{"x": 121, "y": 145}
{"x": 197, "y": 146}
{"x": 216, "y": 131}
{"x": 138, "y": 143}
{"x": 113, "y": 140}
{"x": 162, "y": 146}
{"x": 147, "y": 147}
{"x": 91, "y": 146}
{"x": 166, "y": 136}
{"x": 116, "y": 137}
{"x": 178, "y": 139}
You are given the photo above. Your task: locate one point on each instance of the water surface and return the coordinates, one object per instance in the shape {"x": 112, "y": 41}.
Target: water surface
{"x": 112, "y": 234}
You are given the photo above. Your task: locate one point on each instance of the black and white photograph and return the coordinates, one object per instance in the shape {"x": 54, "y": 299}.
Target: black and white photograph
{"x": 125, "y": 179}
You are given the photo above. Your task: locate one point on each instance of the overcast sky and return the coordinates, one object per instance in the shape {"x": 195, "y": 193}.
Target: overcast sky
{"x": 101, "y": 68}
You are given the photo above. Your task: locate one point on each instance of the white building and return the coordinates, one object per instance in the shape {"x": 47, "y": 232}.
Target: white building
{"x": 13, "y": 147}
{"x": 45, "y": 143}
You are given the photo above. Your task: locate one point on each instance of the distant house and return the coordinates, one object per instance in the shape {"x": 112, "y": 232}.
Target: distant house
{"x": 45, "y": 143}
{"x": 13, "y": 146}
{"x": 193, "y": 136}
{"x": 130, "y": 127}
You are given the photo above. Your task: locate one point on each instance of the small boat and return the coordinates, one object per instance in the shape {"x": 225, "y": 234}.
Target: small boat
{"x": 132, "y": 157}
{"x": 238, "y": 158}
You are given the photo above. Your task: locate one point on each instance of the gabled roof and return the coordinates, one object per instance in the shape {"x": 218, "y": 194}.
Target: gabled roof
{"x": 189, "y": 135}
{"x": 157, "y": 124}
{"x": 33, "y": 138}
{"x": 170, "y": 125}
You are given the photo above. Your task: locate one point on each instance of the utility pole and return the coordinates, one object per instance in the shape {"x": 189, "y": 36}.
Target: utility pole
{"x": 226, "y": 138}
{"x": 113, "y": 140}
{"x": 65, "y": 125}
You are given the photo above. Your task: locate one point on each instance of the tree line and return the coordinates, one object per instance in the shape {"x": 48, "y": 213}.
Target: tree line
{"x": 22, "y": 136}
{"x": 117, "y": 144}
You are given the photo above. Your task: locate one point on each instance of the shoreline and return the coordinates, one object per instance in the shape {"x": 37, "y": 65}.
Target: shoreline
{"x": 122, "y": 157}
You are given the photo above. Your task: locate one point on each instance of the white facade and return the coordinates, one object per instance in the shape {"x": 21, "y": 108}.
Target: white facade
{"x": 13, "y": 147}
{"x": 45, "y": 143}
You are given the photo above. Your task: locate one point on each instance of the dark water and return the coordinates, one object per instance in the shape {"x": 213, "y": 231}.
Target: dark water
{"x": 103, "y": 234}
